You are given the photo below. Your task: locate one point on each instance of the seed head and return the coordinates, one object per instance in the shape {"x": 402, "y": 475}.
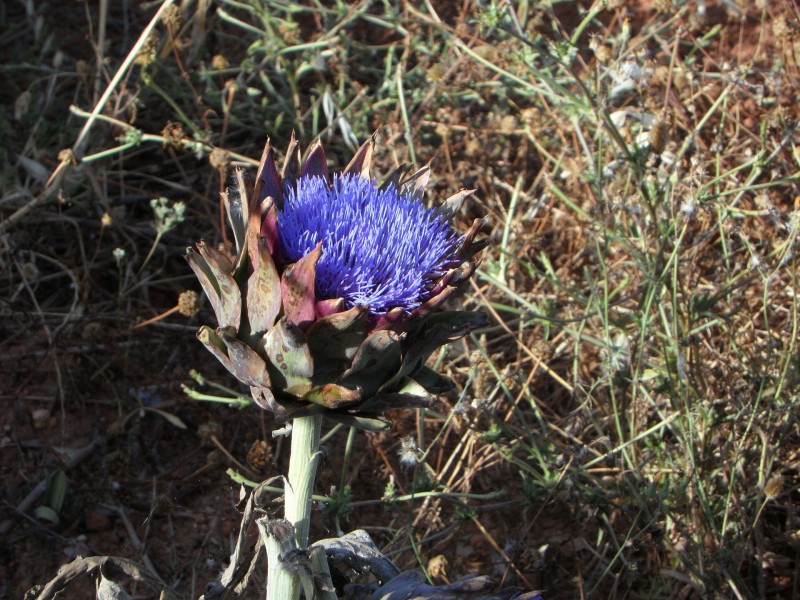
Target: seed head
{"x": 189, "y": 303}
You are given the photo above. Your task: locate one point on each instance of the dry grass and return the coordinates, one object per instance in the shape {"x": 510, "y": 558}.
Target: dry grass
{"x": 627, "y": 428}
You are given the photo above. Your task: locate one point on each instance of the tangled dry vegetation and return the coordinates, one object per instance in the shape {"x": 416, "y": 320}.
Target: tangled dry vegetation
{"x": 626, "y": 428}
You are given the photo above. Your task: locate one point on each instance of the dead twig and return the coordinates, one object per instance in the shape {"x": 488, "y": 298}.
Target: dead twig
{"x": 72, "y": 156}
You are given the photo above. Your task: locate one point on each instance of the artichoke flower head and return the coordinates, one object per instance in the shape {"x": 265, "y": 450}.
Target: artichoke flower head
{"x": 332, "y": 302}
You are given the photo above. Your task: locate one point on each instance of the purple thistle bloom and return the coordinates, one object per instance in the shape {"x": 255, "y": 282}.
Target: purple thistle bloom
{"x": 379, "y": 248}
{"x": 333, "y": 300}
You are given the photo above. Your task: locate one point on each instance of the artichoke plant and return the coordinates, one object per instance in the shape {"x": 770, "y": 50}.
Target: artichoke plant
{"x": 331, "y": 303}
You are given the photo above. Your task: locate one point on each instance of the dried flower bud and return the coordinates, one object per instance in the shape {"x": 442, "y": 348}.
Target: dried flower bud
{"x": 603, "y": 54}
{"x": 659, "y": 135}
{"x": 93, "y": 331}
{"x": 172, "y": 16}
{"x": 260, "y": 455}
{"x": 209, "y": 430}
{"x": 663, "y": 6}
{"x": 437, "y": 567}
{"x": 436, "y": 73}
{"x": 774, "y": 486}
{"x": 173, "y": 134}
{"x": 147, "y": 54}
{"x": 218, "y": 158}
{"x": 22, "y": 105}
{"x": 214, "y": 458}
{"x": 189, "y": 303}
{"x": 409, "y": 453}
{"x": 219, "y": 62}
{"x": 30, "y": 271}
{"x": 68, "y": 156}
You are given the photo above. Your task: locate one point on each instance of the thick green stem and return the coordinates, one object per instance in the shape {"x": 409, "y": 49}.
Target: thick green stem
{"x": 299, "y": 486}
{"x": 302, "y": 474}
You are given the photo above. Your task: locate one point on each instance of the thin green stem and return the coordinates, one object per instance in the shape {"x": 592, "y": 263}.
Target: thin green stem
{"x": 348, "y": 452}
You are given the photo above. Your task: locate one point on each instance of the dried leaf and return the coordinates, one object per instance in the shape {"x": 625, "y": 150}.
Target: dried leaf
{"x": 338, "y": 336}
{"x": 241, "y": 360}
{"x": 414, "y": 185}
{"x": 291, "y": 165}
{"x": 362, "y": 159}
{"x": 376, "y": 358}
{"x": 453, "y": 205}
{"x": 332, "y": 396}
{"x": 111, "y": 590}
{"x": 172, "y": 419}
{"x": 414, "y": 584}
{"x": 263, "y": 295}
{"x": 316, "y": 165}
{"x": 237, "y": 217}
{"x": 380, "y": 403}
{"x": 291, "y": 363}
{"x": 432, "y": 381}
{"x": 268, "y": 182}
{"x": 432, "y": 332}
{"x": 357, "y": 551}
{"x": 297, "y": 289}
{"x": 245, "y": 363}
{"x": 213, "y": 271}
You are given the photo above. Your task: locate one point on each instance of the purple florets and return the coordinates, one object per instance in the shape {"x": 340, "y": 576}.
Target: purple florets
{"x": 378, "y": 248}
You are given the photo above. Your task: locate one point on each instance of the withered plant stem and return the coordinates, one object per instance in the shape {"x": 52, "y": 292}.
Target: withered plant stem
{"x": 163, "y": 315}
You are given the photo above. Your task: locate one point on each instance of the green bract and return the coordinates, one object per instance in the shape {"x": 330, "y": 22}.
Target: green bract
{"x": 303, "y": 355}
